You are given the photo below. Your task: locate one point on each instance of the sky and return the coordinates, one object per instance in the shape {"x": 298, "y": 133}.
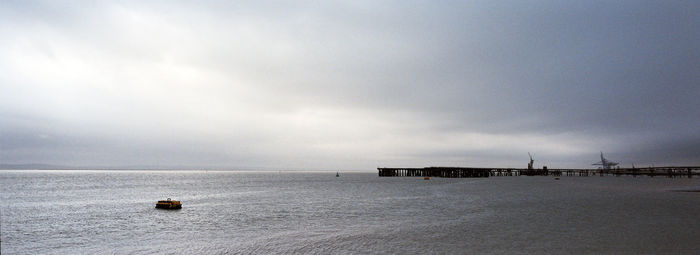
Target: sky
{"x": 326, "y": 85}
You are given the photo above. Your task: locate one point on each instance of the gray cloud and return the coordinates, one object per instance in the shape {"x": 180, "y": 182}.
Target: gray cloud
{"x": 349, "y": 84}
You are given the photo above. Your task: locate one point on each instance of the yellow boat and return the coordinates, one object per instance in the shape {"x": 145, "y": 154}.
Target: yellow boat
{"x": 426, "y": 178}
{"x": 168, "y": 204}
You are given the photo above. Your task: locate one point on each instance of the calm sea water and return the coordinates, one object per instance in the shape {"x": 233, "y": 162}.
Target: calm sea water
{"x": 67, "y": 212}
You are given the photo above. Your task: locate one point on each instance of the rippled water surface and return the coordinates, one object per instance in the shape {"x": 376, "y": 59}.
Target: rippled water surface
{"x": 59, "y": 212}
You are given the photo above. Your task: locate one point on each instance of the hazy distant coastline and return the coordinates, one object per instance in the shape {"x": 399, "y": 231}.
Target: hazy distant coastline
{"x": 35, "y": 166}
{"x": 135, "y": 167}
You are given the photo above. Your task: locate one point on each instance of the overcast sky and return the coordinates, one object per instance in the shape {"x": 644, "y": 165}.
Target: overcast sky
{"x": 349, "y": 84}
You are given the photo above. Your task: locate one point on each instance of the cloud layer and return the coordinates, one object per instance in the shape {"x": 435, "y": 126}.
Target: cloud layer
{"x": 349, "y": 85}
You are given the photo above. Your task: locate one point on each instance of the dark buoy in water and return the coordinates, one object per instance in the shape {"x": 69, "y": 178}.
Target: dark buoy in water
{"x": 337, "y": 174}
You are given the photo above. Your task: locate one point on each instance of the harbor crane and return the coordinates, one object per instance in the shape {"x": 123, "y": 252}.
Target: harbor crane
{"x": 605, "y": 163}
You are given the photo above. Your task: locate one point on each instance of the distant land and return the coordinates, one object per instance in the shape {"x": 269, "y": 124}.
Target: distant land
{"x": 31, "y": 167}
{"x": 135, "y": 167}
{"x": 38, "y": 166}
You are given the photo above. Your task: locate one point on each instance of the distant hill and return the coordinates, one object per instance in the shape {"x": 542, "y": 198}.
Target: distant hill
{"x": 32, "y": 167}
{"x": 66, "y": 167}
{"x": 35, "y": 166}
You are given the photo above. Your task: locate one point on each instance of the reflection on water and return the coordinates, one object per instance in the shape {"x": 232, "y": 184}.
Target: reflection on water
{"x": 314, "y": 212}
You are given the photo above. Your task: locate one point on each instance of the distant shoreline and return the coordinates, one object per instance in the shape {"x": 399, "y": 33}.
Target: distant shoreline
{"x": 687, "y": 190}
{"x": 186, "y": 169}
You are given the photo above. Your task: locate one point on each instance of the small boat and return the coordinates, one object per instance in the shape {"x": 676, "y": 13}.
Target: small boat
{"x": 337, "y": 174}
{"x": 168, "y": 204}
{"x": 426, "y": 178}
{"x": 557, "y": 178}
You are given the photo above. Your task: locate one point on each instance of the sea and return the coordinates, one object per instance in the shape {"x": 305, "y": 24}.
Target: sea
{"x": 307, "y": 212}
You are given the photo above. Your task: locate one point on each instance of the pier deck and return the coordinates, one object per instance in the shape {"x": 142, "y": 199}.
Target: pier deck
{"x": 451, "y": 172}
{"x": 474, "y": 172}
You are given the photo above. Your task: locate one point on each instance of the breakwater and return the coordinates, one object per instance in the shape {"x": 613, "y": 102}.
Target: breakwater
{"x": 477, "y": 172}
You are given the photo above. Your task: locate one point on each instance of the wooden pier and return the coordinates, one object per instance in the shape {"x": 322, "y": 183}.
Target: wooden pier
{"x": 475, "y": 172}
{"x": 447, "y": 172}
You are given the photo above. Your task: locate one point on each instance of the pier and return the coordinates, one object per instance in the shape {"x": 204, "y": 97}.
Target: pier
{"x": 480, "y": 172}
{"x": 447, "y": 172}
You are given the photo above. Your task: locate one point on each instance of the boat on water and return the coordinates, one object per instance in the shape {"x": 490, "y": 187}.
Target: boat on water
{"x": 337, "y": 174}
{"x": 168, "y": 204}
{"x": 426, "y": 178}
